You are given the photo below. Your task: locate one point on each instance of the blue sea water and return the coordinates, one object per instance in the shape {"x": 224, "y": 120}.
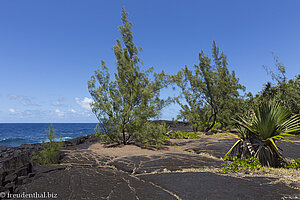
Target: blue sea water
{"x": 15, "y": 134}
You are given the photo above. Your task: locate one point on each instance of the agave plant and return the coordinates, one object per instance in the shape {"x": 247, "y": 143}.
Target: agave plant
{"x": 267, "y": 124}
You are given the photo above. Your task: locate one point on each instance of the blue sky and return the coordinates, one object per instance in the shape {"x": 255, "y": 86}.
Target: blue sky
{"x": 49, "y": 49}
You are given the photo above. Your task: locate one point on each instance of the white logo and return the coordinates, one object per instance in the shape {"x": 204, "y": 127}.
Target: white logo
{"x": 2, "y": 194}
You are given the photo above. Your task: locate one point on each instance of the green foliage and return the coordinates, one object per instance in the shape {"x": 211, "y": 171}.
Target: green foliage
{"x": 236, "y": 164}
{"x": 49, "y": 154}
{"x": 201, "y": 125}
{"x": 104, "y": 138}
{"x": 153, "y": 135}
{"x": 125, "y": 104}
{"x": 293, "y": 163}
{"x": 282, "y": 91}
{"x": 210, "y": 91}
{"x": 156, "y": 135}
{"x": 271, "y": 121}
{"x": 110, "y": 137}
{"x": 266, "y": 124}
{"x": 181, "y": 135}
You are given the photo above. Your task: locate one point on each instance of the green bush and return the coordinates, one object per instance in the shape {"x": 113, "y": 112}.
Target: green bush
{"x": 292, "y": 164}
{"x": 49, "y": 153}
{"x": 236, "y": 164}
{"x": 201, "y": 126}
{"x": 104, "y": 138}
{"x": 181, "y": 135}
{"x": 153, "y": 135}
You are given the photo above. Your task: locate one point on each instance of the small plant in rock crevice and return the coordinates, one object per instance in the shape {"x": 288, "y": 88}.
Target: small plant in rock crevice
{"x": 49, "y": 153}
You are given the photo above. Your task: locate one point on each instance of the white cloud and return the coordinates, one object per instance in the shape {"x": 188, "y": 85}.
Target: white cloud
{"x": 12, "y": 111}
{"x": 59, "y": 113}
{"x": 84, "y": 103}
{"x": 26, "y": 101}
{"x": 58, "y": 102}
{"x": 53, "y": 115}
{"x": 27, "y": 112}
{"x": 73, "y": 111}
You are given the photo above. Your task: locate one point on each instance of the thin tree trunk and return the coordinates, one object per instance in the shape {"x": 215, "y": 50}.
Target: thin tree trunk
{"x": 124, "y": 139}
{"x": 213, "y": 123}
{"x": 214, "y": 115}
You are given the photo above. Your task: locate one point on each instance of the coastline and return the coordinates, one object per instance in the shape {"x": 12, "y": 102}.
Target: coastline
{"x": 86, "y": 165}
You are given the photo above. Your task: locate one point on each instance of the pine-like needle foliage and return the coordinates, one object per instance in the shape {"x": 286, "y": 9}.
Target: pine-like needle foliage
{"x": 123, "y": 105}
{"x": 211, "y": 92}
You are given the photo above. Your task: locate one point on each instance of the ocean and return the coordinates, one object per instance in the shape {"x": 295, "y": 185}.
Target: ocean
{"x": 15, "y": 134}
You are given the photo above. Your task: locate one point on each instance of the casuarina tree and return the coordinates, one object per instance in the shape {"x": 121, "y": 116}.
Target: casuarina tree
{"x": 125, "y": 102}
{"x": 210, "y": 91}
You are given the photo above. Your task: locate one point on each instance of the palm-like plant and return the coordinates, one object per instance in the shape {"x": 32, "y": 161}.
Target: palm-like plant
{"x": 259, "y": 132}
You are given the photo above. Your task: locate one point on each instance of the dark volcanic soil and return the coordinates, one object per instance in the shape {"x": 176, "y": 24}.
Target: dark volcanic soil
{"x": 93, "y": 171}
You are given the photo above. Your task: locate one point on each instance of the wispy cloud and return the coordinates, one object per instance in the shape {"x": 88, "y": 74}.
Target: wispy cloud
{"x": 48, "y": 115}
{"x": 12, "y": 111}
{"x": 84, "y": 103}
{"x": 26, "y": 101}
{"x": 35, "y": 113}
{"x": 27, "y": 112}
{"x": 58, "y": 102}
{"x": 59, "y": 113}
{"x": 73, "y": 111}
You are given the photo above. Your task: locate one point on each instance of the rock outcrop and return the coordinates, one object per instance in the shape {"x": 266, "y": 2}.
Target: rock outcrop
{"x": 16, "y": 166}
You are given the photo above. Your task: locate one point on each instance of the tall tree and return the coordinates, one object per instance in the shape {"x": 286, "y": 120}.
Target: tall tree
{"x": 124, "y": 105}
{"x": 283, "y": 91}
{"x": 210, "y": 91}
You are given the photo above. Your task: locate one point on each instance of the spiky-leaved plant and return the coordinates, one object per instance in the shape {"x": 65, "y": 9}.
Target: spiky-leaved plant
{"x": 268, "y": 123}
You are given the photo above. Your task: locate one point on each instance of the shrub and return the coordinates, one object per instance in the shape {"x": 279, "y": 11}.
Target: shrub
{"x": 153, "y": 135}
{"x": 201, "y": 126}
{"x": 266, "y": 124}
{"x": 236, "y": 164}
{"x": 181, "y": 135}
{"x": 292, "y": 164}
{"x": 106, "y": 138}
{"x": 49, "y": 153}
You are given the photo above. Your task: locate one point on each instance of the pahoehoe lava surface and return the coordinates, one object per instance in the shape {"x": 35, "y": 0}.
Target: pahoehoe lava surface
{"x": 205, "y": 185}
{"x": 129, "y": 172}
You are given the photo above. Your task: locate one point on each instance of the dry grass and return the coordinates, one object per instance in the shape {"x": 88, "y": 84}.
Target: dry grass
{"x": 220, "y": 135}
{"x": 281, "y": 173}
{"x": 165, "y": 170}
{"x": 204, "y": 169}
{"x": 286, "y": 176}
{"x": 207, "y": 155}
{"x": 203, "y": 154}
